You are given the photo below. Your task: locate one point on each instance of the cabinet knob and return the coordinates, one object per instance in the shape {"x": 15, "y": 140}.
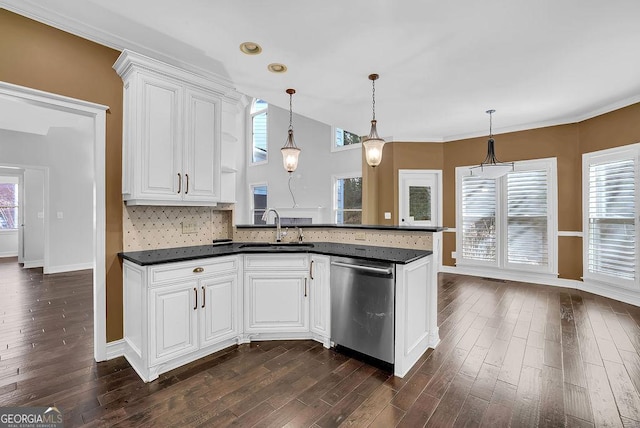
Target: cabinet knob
{"x": 198, "y": 270}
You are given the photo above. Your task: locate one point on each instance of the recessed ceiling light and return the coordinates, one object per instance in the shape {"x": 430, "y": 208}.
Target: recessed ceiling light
{"x": 277, "y": 67}
{"x": 250, "y": 48}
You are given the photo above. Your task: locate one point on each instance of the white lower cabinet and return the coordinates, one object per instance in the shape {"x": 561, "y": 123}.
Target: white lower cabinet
{"x": 175, "y": 313}
{"x": 320, "y": 299}
{"x": 174, "y": 321}
{"x": 276, "y": 296}
{"x": 220, "y": 313}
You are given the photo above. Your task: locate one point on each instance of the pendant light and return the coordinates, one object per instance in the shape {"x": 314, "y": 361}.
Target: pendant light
{"x": 372, "y": 143}
{"x": 290, "y": 151}
{"x": 491, "y": 167}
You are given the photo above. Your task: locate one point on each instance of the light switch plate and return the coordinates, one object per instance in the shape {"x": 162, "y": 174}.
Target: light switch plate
{"x": 387, "y": 216}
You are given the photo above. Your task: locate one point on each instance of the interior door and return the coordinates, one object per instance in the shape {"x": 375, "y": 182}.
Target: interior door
{"x": 420, "y": 197}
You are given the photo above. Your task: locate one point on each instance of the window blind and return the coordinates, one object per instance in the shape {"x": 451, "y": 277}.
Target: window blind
{"x": 479, "y": 218}
{"x": 527, "y": 225}
{"x": 611, "y": 221}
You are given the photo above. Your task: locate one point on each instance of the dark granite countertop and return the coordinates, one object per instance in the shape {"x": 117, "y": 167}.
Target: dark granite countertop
{"x": 367, "y": 252}
{"x": 348, "y": 226}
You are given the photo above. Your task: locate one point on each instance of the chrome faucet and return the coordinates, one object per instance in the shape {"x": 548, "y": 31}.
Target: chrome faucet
{"x": 265, "y": 217}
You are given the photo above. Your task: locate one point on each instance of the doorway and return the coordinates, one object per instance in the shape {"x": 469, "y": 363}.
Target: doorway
{"x": 420, "y": 197}
{"x": 19, "y": 98}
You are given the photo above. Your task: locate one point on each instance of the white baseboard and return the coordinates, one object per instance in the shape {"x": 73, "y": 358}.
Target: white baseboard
{"x": 9, "y": 254}
{"x": 32, "y": 264}
{"x": 610, "y": 292}
{"x": 68, "y": 268}
{"x": 115, "y": 349}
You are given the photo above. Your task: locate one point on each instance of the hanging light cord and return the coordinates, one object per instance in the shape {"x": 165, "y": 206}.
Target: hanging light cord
{"x": 295, "y": 204}
{"x": 373, "y": 95}
{"x": 290, "y": 112}
{"x": 490, "y": 124}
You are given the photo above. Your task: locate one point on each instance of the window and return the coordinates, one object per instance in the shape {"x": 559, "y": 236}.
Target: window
{"x": 507, "y": 222}
{"x": 259, "y": 131}
{"x": 344, "y": 140}
{"x": 348, "y": 200}
{"x": 8, "y": 206}
{"x": 259, "y": 201}
{"x": 610, "y": 209}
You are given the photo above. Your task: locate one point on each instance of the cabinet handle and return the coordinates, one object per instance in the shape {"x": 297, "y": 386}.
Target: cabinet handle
{"x": 311, "y": 269}
{"x": 179, "y": 183}
{"x": 305, "y": 287}
{"x": 198, "y": 270}
{"x": 195, "y": 291}
{"x": 203, "y": 297}
{"x": 187, "y": 189}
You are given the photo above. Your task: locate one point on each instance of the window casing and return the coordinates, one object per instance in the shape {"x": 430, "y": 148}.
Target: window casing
{"x": 610, "y": 209}
{"x": 258, "y": 202}
{"x": 259, "y": 137}
{"x": 347, "y": 199}
{"x": 8, "y": 206}
{"x": 509, "y": 222}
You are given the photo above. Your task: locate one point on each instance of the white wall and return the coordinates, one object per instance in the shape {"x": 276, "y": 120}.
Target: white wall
{"x": 312, "y": 181}
{"x": 9, "y": 238}
{"x": 68, "y": 153}
{"x": 33, "y": 218}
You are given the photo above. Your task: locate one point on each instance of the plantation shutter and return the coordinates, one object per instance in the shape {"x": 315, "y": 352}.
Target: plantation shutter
{"x": 611, "y": 221}
{"x": 527, "y": 218}
{"x": 479, "y": 218}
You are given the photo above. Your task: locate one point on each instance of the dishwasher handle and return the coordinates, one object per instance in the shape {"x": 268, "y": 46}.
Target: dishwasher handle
{"x": 372, "y": 269}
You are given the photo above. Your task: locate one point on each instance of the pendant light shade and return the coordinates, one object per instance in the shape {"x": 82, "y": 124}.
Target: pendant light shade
{"x": 372, "y": 143}
{"x": 290, "y": 152}
{"x": 491, "y": 167}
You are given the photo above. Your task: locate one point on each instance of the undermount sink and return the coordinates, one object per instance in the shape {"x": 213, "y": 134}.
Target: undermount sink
{"x": 277, "y": 245}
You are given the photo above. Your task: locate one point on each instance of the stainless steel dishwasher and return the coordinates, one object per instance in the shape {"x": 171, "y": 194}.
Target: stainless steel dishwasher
{"x": 362, "y": 306}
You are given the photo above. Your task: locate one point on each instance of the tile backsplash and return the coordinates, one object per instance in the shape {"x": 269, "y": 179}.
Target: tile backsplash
{"x": 382, "y": 238}
{"x": 156, "y": 227}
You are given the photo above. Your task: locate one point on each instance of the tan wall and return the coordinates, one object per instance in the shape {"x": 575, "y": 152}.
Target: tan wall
{"x": 567, "y": 143}
{"x": 380, "y": 184}
{"x": 38, "y": 56}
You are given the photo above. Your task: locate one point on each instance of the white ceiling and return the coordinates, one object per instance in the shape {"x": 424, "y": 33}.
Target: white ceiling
{"x": 441, "y": 64}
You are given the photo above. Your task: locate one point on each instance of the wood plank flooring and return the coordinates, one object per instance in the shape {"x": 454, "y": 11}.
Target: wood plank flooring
{"x": 511, "y": 354}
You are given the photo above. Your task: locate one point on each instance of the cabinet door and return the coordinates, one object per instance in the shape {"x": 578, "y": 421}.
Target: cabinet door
{"x": 320, "y": 299}
{"x": 276, "y": 302}
{"x": 173, "y": 321}
{"x": 219, "y": 311}
{"x": 202, "y": 147}
{"x": 158, "y": 131}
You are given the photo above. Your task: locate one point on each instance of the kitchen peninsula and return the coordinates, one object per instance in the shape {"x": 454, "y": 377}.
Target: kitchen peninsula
{"x": 184, "y": 303}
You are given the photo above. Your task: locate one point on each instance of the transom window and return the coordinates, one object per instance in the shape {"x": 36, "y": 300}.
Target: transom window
{"x": 259, "y": 139}
{"x": 343, "y": 139}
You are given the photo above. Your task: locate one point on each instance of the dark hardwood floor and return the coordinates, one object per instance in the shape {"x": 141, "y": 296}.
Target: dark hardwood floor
{"x": 511, "y": 354}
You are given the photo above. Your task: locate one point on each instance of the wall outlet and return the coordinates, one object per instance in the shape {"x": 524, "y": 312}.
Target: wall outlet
{"x": 387, "y": 216}
{"x": 189, "y": 228}
{"x": 454, "y": 255}
{"x": 60, "y": 215}
{"x": 361, "y": 236}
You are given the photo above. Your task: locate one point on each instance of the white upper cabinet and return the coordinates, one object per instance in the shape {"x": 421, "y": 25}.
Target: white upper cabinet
{"x": 172, "y": 133}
